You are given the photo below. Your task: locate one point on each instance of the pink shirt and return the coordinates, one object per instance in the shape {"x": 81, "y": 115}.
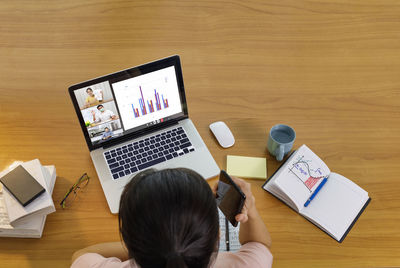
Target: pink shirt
{"x": 252, "y": 255}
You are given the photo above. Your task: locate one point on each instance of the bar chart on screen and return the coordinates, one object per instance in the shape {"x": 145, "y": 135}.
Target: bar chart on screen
{"x": 151, "y": 106}
{"x": 147, "y": 97}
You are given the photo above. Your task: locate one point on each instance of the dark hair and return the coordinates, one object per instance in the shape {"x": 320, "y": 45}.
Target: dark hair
{"x": 169, "y": 218}
{"x": 99, "y": 106}
{"x": 89, "y": 89}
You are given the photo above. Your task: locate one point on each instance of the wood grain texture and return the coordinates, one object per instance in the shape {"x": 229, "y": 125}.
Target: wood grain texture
{"x": 330, "y": 69}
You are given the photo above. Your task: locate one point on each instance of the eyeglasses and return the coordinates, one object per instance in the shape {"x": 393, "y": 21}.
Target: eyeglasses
{"x": 69, "y": 198}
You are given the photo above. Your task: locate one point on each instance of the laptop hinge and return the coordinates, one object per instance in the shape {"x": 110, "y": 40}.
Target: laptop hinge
{"x": 143, "y": 132}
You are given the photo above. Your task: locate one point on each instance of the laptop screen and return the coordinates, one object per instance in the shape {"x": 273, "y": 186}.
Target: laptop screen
{"x": 130, "y": 101}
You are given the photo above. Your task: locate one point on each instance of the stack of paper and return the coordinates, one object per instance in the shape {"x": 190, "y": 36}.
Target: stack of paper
{"x": 28, "y": 221}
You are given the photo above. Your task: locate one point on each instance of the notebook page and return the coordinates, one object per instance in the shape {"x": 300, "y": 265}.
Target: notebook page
{"x": 301, "y": 175}
{"x": 270, "y": 187}
{"x": 336, "y": 205}
{"x": 276, "y": 191}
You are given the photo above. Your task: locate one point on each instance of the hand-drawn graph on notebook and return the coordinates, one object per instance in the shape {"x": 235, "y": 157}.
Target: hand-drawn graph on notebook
{"x": 308, "y": 171}
{"x": 299, "y": 177}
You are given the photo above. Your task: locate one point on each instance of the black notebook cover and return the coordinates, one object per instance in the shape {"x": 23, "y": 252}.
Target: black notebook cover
{"x": 348, "y": 229}
{"x": 22, "y": 185}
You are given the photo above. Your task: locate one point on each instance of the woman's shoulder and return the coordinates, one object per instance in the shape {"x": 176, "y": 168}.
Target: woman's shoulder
{"x": 94, "y": 260}
{"x": 252, "y": 254}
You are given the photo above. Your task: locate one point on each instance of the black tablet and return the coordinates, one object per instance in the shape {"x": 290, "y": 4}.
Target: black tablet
{"x": 22, "y": 185}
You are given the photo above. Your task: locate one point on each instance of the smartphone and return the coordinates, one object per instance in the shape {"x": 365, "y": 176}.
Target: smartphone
{"x": 22, "y": 185}
{"x": 230, "y": 198}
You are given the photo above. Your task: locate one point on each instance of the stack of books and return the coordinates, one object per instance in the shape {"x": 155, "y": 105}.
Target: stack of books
{"x": 27, "y": 221}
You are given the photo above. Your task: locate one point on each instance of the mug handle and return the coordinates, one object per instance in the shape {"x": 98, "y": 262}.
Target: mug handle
{"x": 279, "y": 152}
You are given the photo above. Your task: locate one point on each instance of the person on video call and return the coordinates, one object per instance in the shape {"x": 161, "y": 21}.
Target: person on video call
{"x": 104, "y": 115}
{"x": 107, "y": 134}
{"x": 169, "y": 218}
{"x": 91, "y": 98}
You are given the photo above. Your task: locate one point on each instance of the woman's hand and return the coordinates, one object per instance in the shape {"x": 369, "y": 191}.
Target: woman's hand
{"x": 249, "y": 205}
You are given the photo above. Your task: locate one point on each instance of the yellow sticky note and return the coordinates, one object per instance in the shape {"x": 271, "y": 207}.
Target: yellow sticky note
{"x": 246, "y": 167}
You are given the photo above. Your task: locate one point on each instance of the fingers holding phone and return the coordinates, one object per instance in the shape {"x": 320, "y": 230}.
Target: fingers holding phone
{"x": 231, "y": 199}
{"x": 237, "y": 196}
{"x": 249, "y": 204}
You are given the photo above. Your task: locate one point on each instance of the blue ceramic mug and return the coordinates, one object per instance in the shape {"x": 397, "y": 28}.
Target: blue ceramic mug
{"x": 280, "y": 141}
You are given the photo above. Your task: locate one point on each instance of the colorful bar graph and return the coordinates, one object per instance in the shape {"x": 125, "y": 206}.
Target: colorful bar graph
{"x": 150, "y": 104}
{"x": 165, "y": 102}
{"x": 142, "y": 102}
{"x": 135, "y": 111}
{"x": 158, "y": 104}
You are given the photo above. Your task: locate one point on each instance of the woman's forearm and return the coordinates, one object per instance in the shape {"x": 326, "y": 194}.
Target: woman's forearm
{"x": 254, "y": 230}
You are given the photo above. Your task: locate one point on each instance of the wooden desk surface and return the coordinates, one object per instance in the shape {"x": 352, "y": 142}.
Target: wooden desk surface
{"x": 330, "y": 69}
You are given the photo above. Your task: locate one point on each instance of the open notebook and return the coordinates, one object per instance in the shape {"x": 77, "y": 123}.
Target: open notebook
{"x": 337, "y": 204}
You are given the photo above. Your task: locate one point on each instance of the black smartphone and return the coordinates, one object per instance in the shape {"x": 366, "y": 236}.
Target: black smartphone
{"x": 230, "y": 198}
{"x": 22, "y": 185}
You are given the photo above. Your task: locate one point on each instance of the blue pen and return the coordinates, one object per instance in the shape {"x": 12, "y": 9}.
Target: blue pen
{"x": 316, "y": 191}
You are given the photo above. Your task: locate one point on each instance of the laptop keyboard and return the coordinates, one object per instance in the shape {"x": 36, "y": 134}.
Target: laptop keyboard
{"x": 148, "y": 152}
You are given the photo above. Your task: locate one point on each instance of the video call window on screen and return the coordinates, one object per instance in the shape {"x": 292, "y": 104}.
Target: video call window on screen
{"x": 99, "y": 112}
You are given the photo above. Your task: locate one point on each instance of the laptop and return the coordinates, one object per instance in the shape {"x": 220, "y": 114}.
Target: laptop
{"x": 137, "y": 119}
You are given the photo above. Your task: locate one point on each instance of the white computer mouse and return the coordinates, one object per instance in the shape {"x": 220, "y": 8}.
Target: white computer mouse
{"x": 223, "y": 134}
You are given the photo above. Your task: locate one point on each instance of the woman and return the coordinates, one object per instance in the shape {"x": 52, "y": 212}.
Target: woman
{"x": 169, "y": 218}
